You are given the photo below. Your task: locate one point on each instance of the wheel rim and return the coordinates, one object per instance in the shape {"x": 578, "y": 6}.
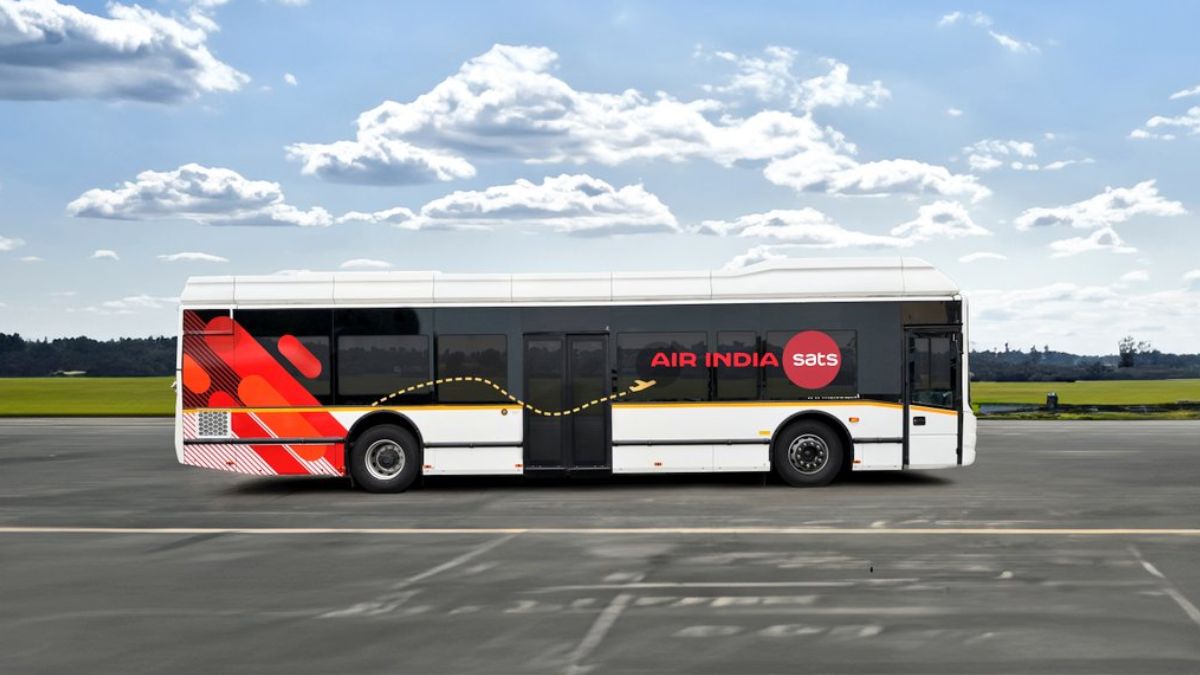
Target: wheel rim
{"x": 808, "y": 453}
{"x": 385, "y": 459}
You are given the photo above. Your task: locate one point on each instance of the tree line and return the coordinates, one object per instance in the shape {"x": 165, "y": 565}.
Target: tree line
{"x": 129, "y": 357}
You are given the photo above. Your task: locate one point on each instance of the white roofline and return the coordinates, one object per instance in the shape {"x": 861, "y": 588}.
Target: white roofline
{"x": 774, "y": 281}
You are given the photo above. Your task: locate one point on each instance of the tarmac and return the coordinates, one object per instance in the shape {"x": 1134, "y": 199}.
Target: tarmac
{"x": 1070, "y": 547}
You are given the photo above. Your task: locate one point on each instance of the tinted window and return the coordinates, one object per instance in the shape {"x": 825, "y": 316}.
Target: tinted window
{"x": 196, "y": 321}
{"x": 737, "y": 378}
{"x": 675, "y": 361}
{"x": 472, "y": 356}
{"x": 296, "y": 340}
{"x": 933, "y": 374}
{"x": 371, "y": 367}
{"x": 811, "y": 364}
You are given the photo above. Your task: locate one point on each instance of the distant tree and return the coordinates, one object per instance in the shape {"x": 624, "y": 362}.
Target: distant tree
{"x": 1127, "y": 348}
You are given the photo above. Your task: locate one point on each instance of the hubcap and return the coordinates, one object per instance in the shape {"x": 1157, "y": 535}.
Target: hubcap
{"x": 385, "y": 459}
{"x": 808, "y": 453}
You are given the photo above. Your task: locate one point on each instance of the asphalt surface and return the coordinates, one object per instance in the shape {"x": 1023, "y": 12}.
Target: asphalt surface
{"x": 1042, "y": 562}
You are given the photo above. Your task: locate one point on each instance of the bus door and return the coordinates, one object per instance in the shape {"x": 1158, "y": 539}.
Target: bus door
{"x": 567, "y": 385}
{"x": 933, "y": 400}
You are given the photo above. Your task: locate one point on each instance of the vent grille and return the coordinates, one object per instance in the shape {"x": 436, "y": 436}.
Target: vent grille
{"x": 213, "y": 425}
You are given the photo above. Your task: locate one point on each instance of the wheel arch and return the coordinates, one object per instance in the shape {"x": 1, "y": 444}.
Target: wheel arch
{"x": 375, "y": 419}
{"x": 823, "y": 417}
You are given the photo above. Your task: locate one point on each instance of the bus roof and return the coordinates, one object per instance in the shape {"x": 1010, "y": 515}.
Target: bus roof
{"x": 801, "y": 279}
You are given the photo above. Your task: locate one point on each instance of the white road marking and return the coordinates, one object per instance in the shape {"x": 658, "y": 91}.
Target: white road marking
{"x": 596, "y": 633}
{"x": 839, "y": 531}
{"x": 1168, "y": 587}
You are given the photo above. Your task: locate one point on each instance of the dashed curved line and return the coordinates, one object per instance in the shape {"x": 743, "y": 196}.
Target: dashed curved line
{"x": 639, "y": 385}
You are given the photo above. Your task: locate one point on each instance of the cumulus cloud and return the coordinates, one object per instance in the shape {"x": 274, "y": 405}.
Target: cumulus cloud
{"x": 758, "y": 254}
{"x": 805, "y": 228}
{"x": 1136, "y": 275}
{"x": 954, "y": 112}
{"x": 192, "y": 256}
{"x": 53, "y": 51}
{"x": 32, "y": 259}
{"x": 772, "y": 77}
{"x": 507, "y": 104}
{"x": 984, "y": 22}
{"x": 365, "y": 264}
{"x": 991, "y": 153}
{"x": 212, "y": 196}
{"x": 940, "y": 220}
{"x": 1104, "y": 239}
{"x": 982, "y": 255}
{"x": 1166, "y": 128}
{"x": 8, "y": 244}
{"x": 574, "y": 204}
{"x": 290, "y": 79}
{"x": 1114, "y": 205}
{"x": 105, "y": 254}
{"x": 1185, "y": 93}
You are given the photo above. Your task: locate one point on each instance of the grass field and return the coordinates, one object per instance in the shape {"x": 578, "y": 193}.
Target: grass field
{"x": 66, "y": 396}
{"x": 70, "y": 396}
{"x": 1101, "y": 392}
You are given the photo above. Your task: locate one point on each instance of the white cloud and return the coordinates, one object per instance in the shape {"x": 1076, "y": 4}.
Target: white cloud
{"x": 32, "y": 259}
{"x": 133, "y": 304}
{"x": 1136, "y": 275}
{"x": 981, "y": 20}
{"x": 1104, "y": 239}
{"x": 954, "y": 112}
{"x": 192, "y": 256}
{"x": 365, "y": 264}
{"x": 507, "y": 104}
{"x": 940, "y": 220}
{"x": 574, "y": 204}
{"x": 838, "y": 174}
{"x": 290, "y": 79}
{"x": 1168, "y": 128}
{"x": 1185, "y": 93}
{"x": 54, "y": 51}
{"x": 1090, "y": 318}
{"x": 771, "y": 77}
{"x": 805, "y": 228}
{"x": 982, "y": 255}
{"x": 105, "y": 254}
{"x": 212, "y": 196}
{"x": 1114, "y": 205}
{"x": 758, "y": 254}
{"x": 991, "y": 153}
{"x": 8, "y": 244}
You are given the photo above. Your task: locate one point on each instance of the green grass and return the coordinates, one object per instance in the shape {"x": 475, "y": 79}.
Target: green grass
{"x": 1099, "y": 392}
{"x": 82, "y": 396}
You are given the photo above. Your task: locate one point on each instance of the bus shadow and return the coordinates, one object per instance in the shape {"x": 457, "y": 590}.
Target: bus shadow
{"x": 313, "y": 484}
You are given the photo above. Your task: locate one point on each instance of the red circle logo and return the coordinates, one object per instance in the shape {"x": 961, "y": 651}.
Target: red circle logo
{"x": 811, "y": 359}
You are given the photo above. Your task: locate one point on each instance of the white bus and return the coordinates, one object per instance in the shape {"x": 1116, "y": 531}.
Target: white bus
{"x": 808, "y": 368}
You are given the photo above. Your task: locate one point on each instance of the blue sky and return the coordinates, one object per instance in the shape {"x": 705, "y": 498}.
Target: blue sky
{"x": 1041, "y": 154}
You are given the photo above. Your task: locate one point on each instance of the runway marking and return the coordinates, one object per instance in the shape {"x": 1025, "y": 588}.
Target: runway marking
{"x": 596, "y": 633}
{"x": 799, "y": 531}
{"x": 1168, "y": 587}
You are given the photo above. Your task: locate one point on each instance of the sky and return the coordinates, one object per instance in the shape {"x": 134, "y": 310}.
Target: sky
{"x": 1041, "y": 154}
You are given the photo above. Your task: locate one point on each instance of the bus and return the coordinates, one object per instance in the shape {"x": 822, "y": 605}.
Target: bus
{"x": 805, "y": 368}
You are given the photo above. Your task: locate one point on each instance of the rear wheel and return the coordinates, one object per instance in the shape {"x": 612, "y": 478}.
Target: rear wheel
{"x": 385, "y": 458}
{"x": 807, "y": 454}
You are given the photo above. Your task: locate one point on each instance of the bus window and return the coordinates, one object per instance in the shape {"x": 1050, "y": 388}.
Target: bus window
{"x": 484, "y": 356}
{"x": 675, "y": 361}
{"x": 297, "y": 339}
{"x": 371, "y": 367}
{"x": 736, "y": 381}
{"x": 934, "y": 362}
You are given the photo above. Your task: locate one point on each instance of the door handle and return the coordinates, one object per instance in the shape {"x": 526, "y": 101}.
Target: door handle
{"x": 919, "y": 421}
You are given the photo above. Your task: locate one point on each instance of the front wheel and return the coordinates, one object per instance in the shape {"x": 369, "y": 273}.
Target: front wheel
{"x": 807, "y": 454}
{"x": 385, "y": 458}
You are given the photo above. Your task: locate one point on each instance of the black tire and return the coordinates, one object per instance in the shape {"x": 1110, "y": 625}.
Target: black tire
{"x": 807, "y": 453}
{"x": 385, "y": 458}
